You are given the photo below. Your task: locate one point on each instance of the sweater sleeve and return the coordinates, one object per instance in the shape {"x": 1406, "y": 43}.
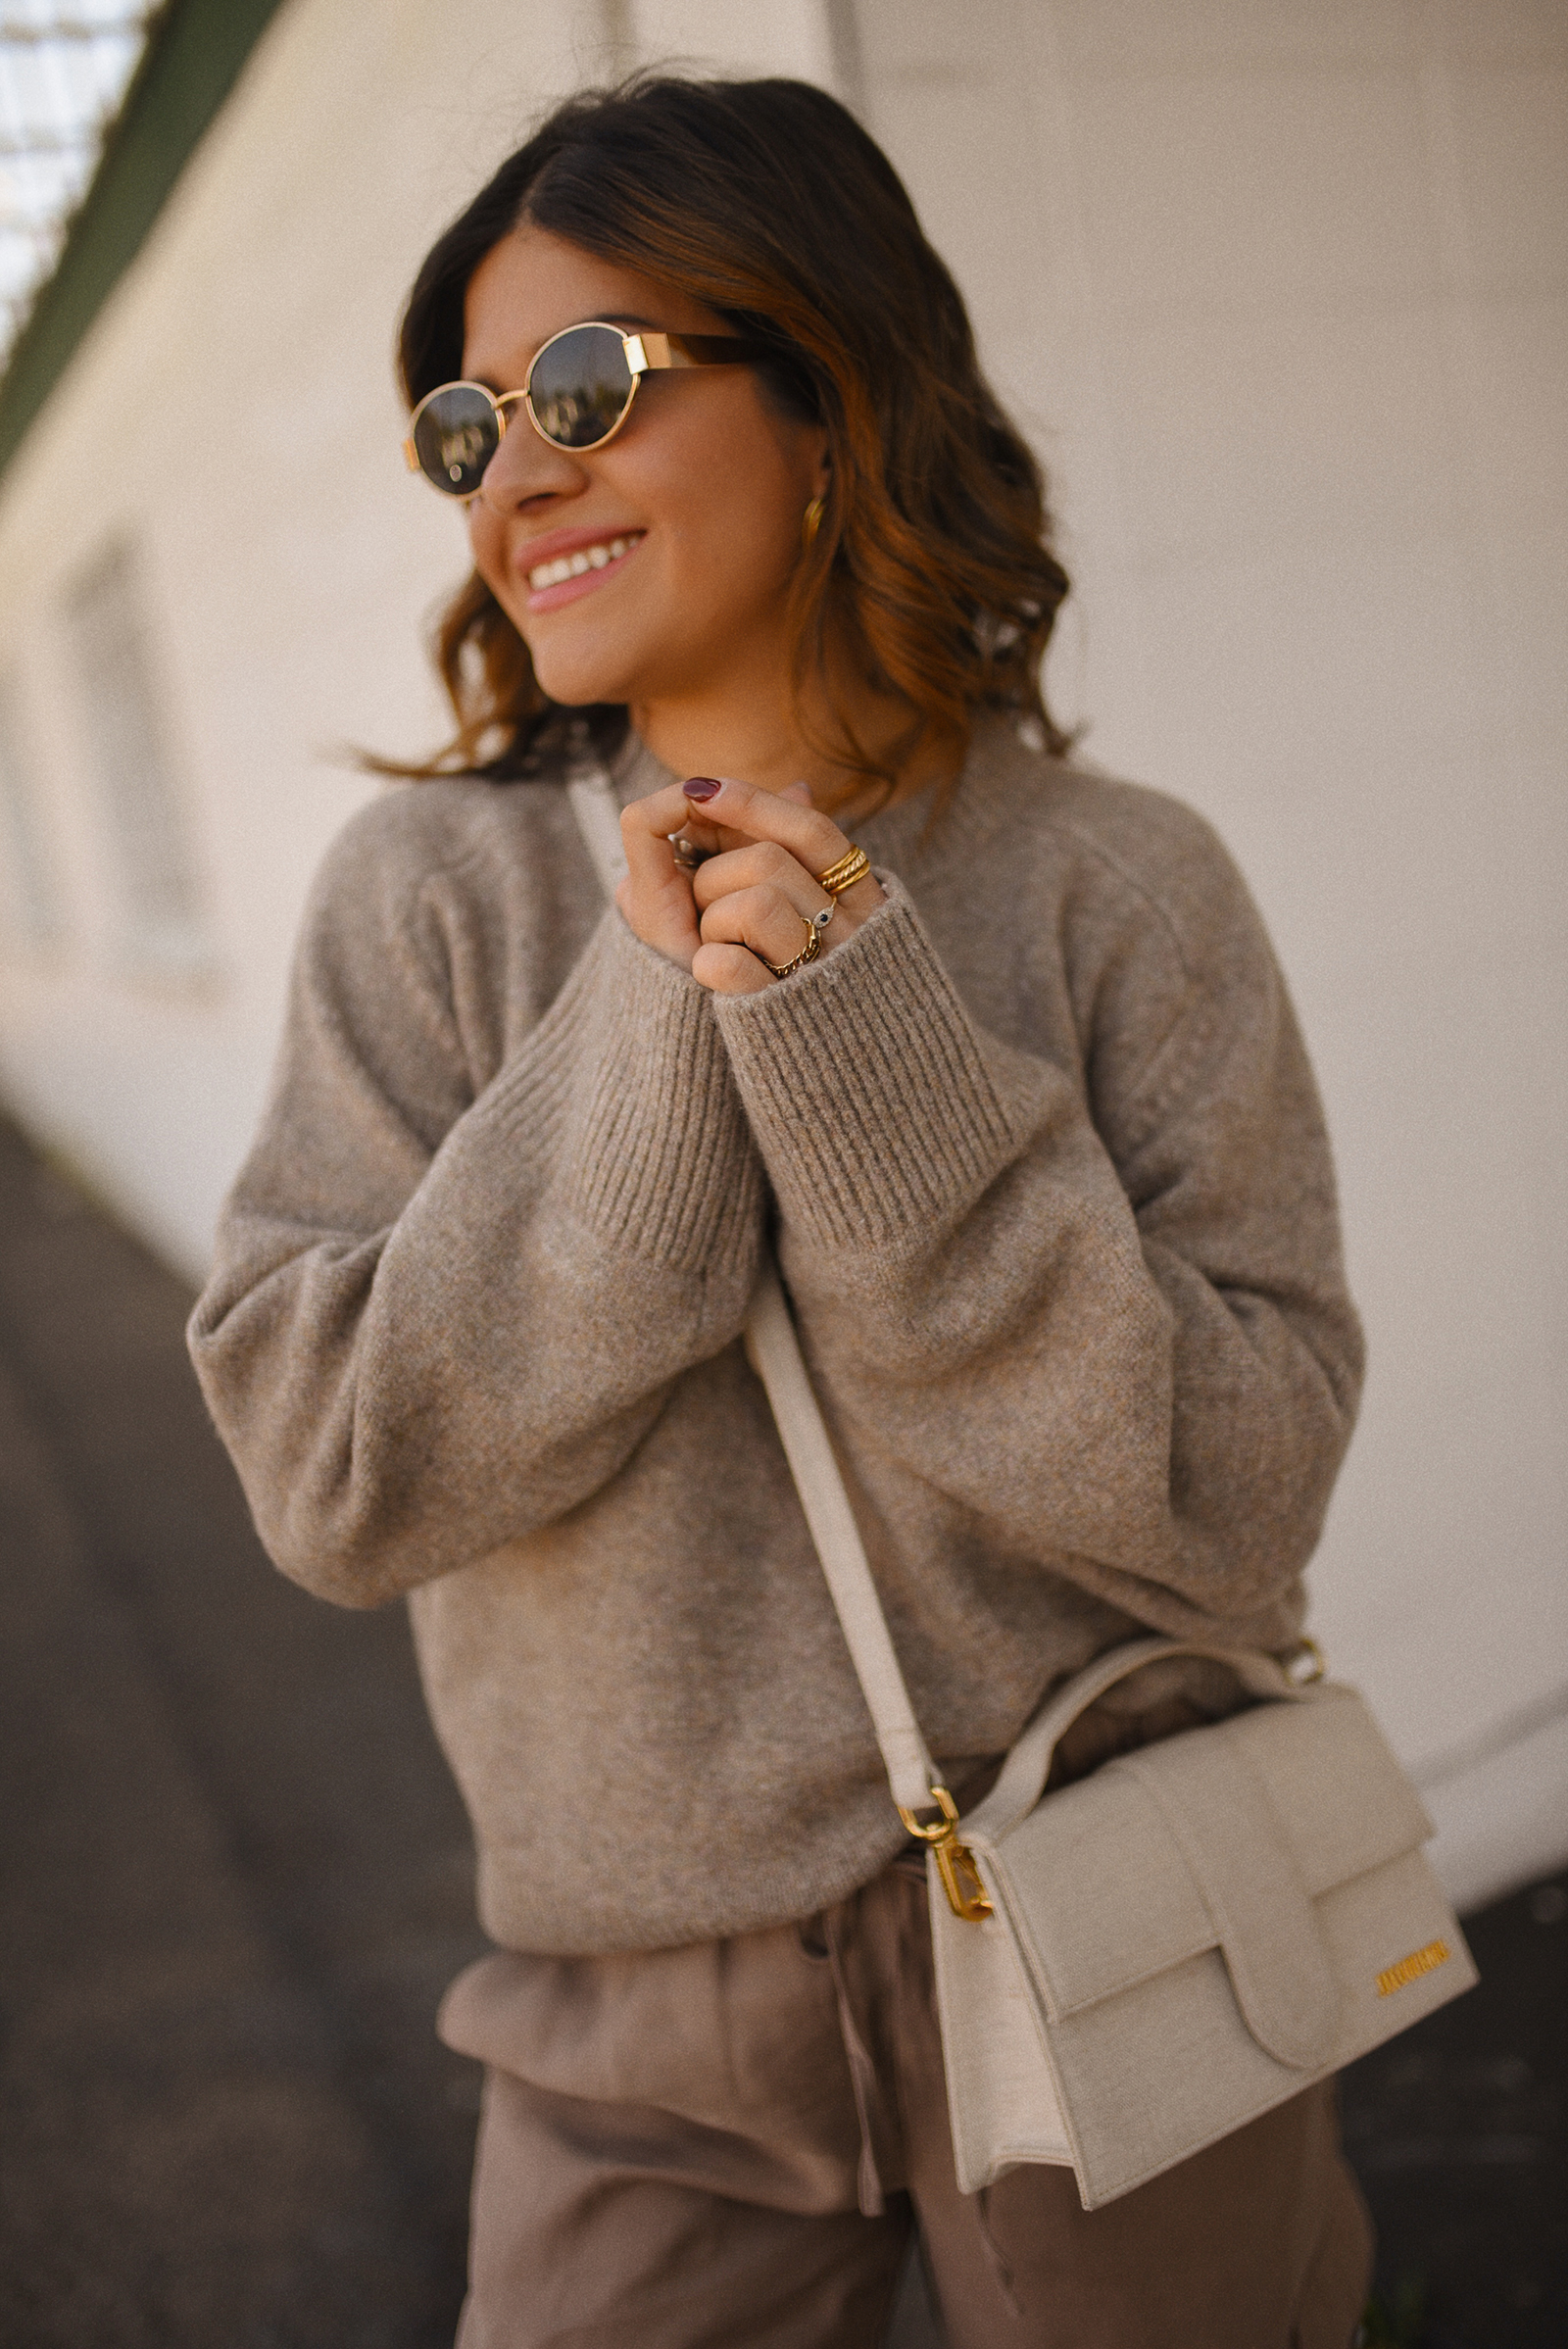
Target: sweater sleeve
{"x": 437, "y": 1321}
{"x": 1102, "y": 1308}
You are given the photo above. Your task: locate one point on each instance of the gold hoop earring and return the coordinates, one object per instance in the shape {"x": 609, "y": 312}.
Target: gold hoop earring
{"x": 811, "y": 523}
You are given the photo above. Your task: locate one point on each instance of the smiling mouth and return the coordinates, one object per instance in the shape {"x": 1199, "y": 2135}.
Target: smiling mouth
{"x": 582, "y": 560}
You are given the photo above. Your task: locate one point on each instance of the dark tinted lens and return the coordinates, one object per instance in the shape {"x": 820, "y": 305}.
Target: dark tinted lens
{"x": 456, "y": 438}
{"x": 580, "y": 386}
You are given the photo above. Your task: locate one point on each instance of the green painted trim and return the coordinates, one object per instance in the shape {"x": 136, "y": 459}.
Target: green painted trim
{"x": 195, "y": 52}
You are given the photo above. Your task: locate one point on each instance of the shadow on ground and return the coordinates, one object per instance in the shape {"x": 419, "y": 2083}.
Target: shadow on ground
{"x": 237, "y": 1878}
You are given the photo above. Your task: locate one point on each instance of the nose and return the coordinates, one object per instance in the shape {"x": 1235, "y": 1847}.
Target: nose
{"x": 527, "y": 466}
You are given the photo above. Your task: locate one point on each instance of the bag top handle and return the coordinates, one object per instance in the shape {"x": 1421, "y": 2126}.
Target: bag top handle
{"x": 1024, "y": 1773}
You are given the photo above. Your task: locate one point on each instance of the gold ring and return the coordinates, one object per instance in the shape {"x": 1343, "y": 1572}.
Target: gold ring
{"x": 851, "y": 868}
{"x": 808, "y": 954}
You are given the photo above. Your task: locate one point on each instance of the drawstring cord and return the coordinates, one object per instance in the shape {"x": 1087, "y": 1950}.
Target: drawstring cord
{"x": 998, "y": 2264}
{"x": 863, "y": 2071}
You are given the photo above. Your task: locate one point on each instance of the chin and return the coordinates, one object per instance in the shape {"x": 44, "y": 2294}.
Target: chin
{"x": 576, "y": 682}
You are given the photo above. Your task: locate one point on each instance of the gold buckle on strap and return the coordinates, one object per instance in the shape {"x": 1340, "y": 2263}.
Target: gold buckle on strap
{"x": 967, "y": 1894}
{"x": 1305, "y": 1663}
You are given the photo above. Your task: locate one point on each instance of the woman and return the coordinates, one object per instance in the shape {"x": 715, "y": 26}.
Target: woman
{"x": 1025, "y": 1110}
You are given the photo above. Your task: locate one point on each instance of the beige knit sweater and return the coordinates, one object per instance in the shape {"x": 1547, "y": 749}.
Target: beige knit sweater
{"x": 1055, "y": 1209}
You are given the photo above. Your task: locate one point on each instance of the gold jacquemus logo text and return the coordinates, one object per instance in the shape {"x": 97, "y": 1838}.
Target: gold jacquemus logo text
{"x": 1410, "y": 1969}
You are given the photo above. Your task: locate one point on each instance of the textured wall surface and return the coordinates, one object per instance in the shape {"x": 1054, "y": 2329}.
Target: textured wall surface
{"x": 1282, "y": 293}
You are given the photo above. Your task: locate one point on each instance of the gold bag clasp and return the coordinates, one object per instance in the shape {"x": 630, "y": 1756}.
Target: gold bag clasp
{"x": 961, "y": 1882}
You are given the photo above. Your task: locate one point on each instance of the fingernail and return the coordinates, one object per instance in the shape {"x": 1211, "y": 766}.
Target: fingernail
{"x": 702, "y": 786}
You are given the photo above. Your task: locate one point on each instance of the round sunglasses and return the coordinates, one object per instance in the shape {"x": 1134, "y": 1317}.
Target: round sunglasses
{"x": 578, "y": 393}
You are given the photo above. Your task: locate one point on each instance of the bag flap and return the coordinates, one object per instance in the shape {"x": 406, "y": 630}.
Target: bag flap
{"x": 1220, "y": 1816}
{"x": 1343, "y": 1799}
{"x": 1222, "y": 1836}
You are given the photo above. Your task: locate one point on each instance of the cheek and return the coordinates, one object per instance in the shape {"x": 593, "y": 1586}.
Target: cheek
{"x": 733, "y": 521}
{"x": 487, "y": 544}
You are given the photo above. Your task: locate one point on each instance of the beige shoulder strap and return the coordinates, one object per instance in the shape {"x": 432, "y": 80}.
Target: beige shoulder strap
{"x": 598, "y": 812}
{"x": 774, "y": 1352}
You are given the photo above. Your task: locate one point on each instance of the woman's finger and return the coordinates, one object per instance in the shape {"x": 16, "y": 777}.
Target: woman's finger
{"x": 730, "y": 970}
{"x": 765, "y": 920}
{"x": 655, "y": 896}
{"x": 811, "y": 837}
{"x": 668, "y": 810}
{"x": 762, "y": 865}
{"x": 707, "y": 837}
{"x": 645, "y": 828}
{"x": 739, "y": 821}
{"x": 808, "y": 835}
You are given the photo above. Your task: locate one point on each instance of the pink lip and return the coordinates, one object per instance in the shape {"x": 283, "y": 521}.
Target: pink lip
{"x": 567, "y": 542}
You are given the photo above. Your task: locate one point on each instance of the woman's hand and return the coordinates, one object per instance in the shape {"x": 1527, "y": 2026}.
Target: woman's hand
{"x": 750, "y": 903}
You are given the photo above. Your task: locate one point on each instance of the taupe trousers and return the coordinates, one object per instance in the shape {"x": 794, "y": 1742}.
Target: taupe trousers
{"x": 725, "y": 2146}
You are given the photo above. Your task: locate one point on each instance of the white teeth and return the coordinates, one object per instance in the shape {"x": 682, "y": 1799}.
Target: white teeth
{"x": 586, "y": 559}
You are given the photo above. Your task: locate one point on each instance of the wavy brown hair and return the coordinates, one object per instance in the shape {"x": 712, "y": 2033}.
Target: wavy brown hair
{"x": 766, "y": 202}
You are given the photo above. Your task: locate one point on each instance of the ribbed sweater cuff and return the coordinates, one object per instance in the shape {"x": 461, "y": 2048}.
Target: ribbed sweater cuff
{"x": 868, "y": 1089}
{"x": 656, "y": 1155}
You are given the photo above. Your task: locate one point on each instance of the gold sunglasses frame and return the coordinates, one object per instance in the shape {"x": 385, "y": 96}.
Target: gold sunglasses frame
{"x": 645, "y": 353}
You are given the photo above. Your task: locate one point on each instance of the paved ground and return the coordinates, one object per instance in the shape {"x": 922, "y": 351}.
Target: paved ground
{"x": 236, "y": 1878}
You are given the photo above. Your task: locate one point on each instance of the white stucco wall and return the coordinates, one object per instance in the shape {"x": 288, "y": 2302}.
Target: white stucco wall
{"x": 1280, "y": 290}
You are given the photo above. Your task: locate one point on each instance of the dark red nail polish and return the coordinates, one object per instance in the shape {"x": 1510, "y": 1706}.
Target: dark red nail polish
{"x": 702, "y": 786}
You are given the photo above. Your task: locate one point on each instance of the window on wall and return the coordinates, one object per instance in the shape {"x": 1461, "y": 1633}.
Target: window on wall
{"x": 29, "y": 900}
{"x": 156, "y": 901}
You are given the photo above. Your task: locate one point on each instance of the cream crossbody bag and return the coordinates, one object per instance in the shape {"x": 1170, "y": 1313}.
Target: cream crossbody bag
{"x": 1144, "y": 1960}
